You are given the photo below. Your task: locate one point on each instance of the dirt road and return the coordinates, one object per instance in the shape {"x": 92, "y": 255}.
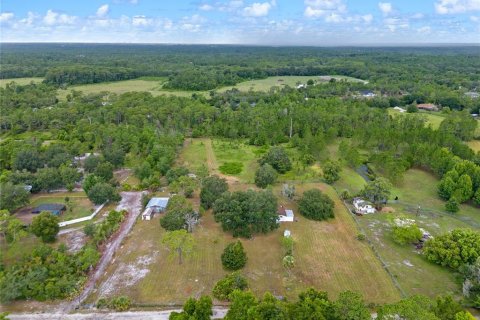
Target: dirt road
{"x": 218, "y": 313}
{"x": 131, "y": 202}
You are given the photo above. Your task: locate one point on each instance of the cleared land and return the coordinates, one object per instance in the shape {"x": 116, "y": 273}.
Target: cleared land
{"x": 20, "y": 81}
{"x": 328, "y": 256}
{"x": 474, "y": 144}
{"x": 434, "y": 119}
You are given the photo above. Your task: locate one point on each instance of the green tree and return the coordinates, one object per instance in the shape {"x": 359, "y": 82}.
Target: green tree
{"x": 105, "y": 171}
{"x": 212, "y": 188}
{"x": 412, "y": 308}
{"x": 452, "y": 205}
{"x": 312, "y": 304}
{"x": 350, "y": 306}
{"x": 69, "y": 176}
{"x": 91, "y": 163}
{"x": 11, "y": 228}
{"x": 234, "y": 256}
{"x": 454, "y": 249}
{"x": 316, "y": 205}
{"x": 178, "y": 209}
{"x": 464, "y": 315}
{"x": 446, "y": 308}
{"x": 278, "y": 158}
{"x": 265, "y": 175}
{"x": 268, "y": 308}
{"x": 49, "y": 179}
{"x": 103, "y": 192}
{"x": 200, "y": 309}
{"x": 12, "y": 196}
{"x": 247, "y": 212}
{"x": 331, "y": 171}
{"x": 241, "y": 303}
{"x": 45, "y": 226}
{"x": 377, "y": 191}
{"x": 27, "y": 159}
{"x": 89, "y": 181}
{"x": 231, "y": 282}
{"x": 179, "y": 242}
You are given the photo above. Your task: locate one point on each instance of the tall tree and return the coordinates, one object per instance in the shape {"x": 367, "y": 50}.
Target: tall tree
{"x": 179, "y": 242}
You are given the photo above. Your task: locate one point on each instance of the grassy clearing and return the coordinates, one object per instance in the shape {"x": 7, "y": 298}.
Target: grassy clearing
{"x": 328, "y": 258}
{"x": 80, "y": 205}
{"x": 420, "y": 188}
{"x": 20, "y": 81}
{"x": 292, "y": 81}
{"x": 413, "y": 272}
{"x": 152, "y": 85}
{"x": 238, "y": 151}
{"x": 193, "y": 154}
{"x": 433, "y": 119}
{"x": 474, "y": 144}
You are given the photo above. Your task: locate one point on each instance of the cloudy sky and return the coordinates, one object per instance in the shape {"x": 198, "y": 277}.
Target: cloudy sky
{"x": 269, "y": 22}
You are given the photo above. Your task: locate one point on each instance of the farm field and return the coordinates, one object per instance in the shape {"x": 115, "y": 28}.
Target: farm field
{"x": 20, "y": 81}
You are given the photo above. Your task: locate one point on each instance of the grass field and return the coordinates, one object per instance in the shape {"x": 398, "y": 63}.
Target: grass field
{"x": 328, "y": 257}
{"x": 20, "y": 81}
{"x": 152, "y": 85}
{"x": 80, "y": 205}
{"x": 193, "y": 155}
{"x": 292, "y": 81}
{"x": 475, "y": 145}
{"x": 433, "y": 119}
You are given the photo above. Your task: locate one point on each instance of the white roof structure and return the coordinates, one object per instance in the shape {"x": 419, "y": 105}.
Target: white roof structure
{"x": 158, "y": 202}
{"x": 287, "y": 233}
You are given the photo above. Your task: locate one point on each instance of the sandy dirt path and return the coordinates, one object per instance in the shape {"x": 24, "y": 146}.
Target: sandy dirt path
{"x": 131, "y": 202}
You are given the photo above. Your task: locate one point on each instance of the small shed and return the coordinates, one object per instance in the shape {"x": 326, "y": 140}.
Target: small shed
{"x": 54, "y": 208}
{"x": 157, "y": 204}
{"x": 285, "y": 215}
{"x": 287, "y": 233}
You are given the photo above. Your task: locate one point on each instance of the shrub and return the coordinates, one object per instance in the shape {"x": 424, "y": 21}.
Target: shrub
{"x": 278, "y": 158}
{"x": 234, "y": 257}
{"x": 315, "y": 205}
{"x": 231, "y": 168}
{"x": 213, "y": 187}
{"x": 361, "y": 237}
{"x": 121, "y": 303}
{"x": 45, "y": 226}
{"x": 331, "y": 171}
{"x": 224, "y": 287}
{"x": 452, "y": 205}
{"x": 403, "y": 235}
{"x": 345, "y": 195}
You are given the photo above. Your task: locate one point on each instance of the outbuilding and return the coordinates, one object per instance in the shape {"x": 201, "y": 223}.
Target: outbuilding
{"x": 155, "y": 205}
{"x": 53, "y": 208}
{"x": 285, "y": 215}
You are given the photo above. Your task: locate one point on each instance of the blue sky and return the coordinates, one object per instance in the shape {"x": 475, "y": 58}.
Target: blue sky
{"x": 268, "y": 22}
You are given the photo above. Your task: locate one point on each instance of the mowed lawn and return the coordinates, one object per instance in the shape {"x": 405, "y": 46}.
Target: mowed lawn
{"x": 327, "y": 254}
{"x": 19, "y": 81}
{"x": 433, "y": 119}
{"x": 193, "y": 155}
{"x": 79, "y": 205}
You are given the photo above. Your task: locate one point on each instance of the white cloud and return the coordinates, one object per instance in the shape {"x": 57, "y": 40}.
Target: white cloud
{"x": 318, "y": 8}
{"x": 6, "y": 16}
{"x": 456, "y": 6}
{"x": 475, "y": 19}
{"x": 396, "y": 23}
{"x": 206, "y": 7}
{"x": 141, "y": 21}
{"x": 367, "y": 18}
{"x": 258, "y": 9}
{"x": 385, "y": 7}
{"x": 133, "y": 1}
{"x": 102, "y": 11}
{"x": 29, "y": 20}
{"x": 424, "y": 30}
{"x": 418, "y": 16}
{"x": 54, "y": 18}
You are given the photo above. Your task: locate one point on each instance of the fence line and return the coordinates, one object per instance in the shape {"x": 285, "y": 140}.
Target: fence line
{"x": 90, "y": 217}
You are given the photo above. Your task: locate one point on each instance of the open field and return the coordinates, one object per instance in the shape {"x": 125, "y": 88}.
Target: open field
{"x": 433, "y": 119}
{"x": 474, "y": 144}
{"x": 20, "y": 81}
{"x": 193, "y": 155}
{"x": 80, "y": 205}
{"x": 420, "y": 188}
{"x": 328, "y": 257}
{"x": 292, "y": 81}
{"x": 152, "y": 85}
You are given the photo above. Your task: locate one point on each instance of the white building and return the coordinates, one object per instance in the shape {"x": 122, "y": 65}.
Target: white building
{"x": 155, "y": 205}
{"x": 362, "y": 207}
{"x": 285, "y": 215}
